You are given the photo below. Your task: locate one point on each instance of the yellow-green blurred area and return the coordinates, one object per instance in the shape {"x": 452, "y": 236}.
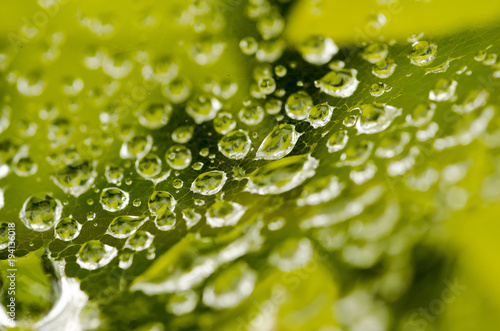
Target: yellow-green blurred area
{"x": 382, "y": 227}
{"x": 364, "y": 20}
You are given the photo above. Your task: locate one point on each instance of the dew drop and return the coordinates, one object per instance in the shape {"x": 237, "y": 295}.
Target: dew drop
{"x": 113, "y": 199}
{"x": 340, "y": 84}
{"x": 278, "y": 143}
{"x": 298, "y": 105}
{"x": 444, "y": 90}
{"x": 320, "y": 115}
{"x": 281, "y": 175}
{"x": 224, "y": 213}
{"x": 160, "y": 201}
{"x": 139, "y": 241}
{"x": 40, "y": 212}
{"x": 124, "y": 226}
{"x": 94, "y": 254}
{"x": 423, "y": 53}
{"x": 209, "y": 183}
{"x": 376, "y": 117}
{"x": 178, "y": 157}
{"x": 235, "y": 145}
{"x": 318, "y": 50}
{"x": 67, "y": 229}
{"x": 166, "y": 220}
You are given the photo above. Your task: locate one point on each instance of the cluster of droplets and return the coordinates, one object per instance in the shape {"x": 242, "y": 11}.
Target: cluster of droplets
{"x": 217, "y": 154}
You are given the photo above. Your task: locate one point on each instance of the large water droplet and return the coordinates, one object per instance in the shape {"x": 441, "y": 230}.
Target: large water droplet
{"x": 235, "y": 145}
{"x": 94, "y": 254}
{"x": 278, "y": 143}
{"x": 318, "y": 50}
{"x": 423, "y": 53}
{"x": 224, "y": 213}
{"x": 203, "y": 108}
{"x": 282, "y": 175}
{"x": 113, "y": 199}
{"x": 231, "y": 287}
{"x": 298, "y": 105}
{"x": 376, "y": 117}
{"x": 40, "y": 212}
{"x": 67, "y": 229}
{"x": 340, "y": 84}
{"x": 178, "y": 157}
{"x": 160, "y": 201}
{"x": 209, "y": 183}
{"x": 123, "y": 226}
{"x": 444, "y": 90}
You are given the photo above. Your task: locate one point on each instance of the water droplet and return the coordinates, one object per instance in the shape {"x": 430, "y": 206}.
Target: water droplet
{"x": 384, "y": 68}
{"x": 267, "y": 85}
{"x": 292, "y": 254}
{"x": 165, "y": 220}
{"x": 183, "y": 134}
{"x": 320, "y": 115}
{"x": 67, "y": 229}
{"x": 340, "y": 84}
{"x": 40, "y": 212}
{"x": 278, "y": 143}
{"x": 124, "y": 226}
{"x": 270, "y": 50}
{"x": 363, "y": 173}
{"x": 178, "y": 183}
{"x": 203, "y": 108}
{"x": 136, "y": 147}
{"x": 191, "y": 217}
{"x": 76, "y": 178}
{"x": 280, "y": 71}
{"x": 182, "y": 303}
{"x": 248, "y": 45}
{"x": 235, "y": 145}
{"x": 125, "y": 260}
{"x": 149, "y": 166}
{"x": 160, "y": 201}
{"x": 24, "y": 165}
{"x": 224, "y": 123}
{"x": 318, "y": 50}
{"x": 178, "y": 90}
{"x": 273, "y": 106}
{"x": 113, "y": 199}
{"x": 298, "y": 105}
{"x": 375, "y": 52}
{"x": 94, "y": 254}
{"x": 90, "y": 216}
{"x": 444, "y": 90}
{"x": 377, "y": 89}
{"x": 320, "y": 190}
{"x": 356, "y": 154}
{"x": 178, "y": 157}
{"x": 231, "y": 287}
{"x": 139, "y": 241}
{"x": 393, "y": 144}
{"x": 114, "y": 174}
{"x": 337, "y": 141}
{"x": 197, "y": 165}
{"x": 282, "y": 175}
{"x": 376, "y": 117}
{"x": 163, "y": 69}
{"x": 421, "y": 115}
{"x": 224, "y": 213}
{"x": 251, "y": 113}
{"x": 209, "y": 183}
{"x": 154, "y": 115}
{"x": 423, "y": 53}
